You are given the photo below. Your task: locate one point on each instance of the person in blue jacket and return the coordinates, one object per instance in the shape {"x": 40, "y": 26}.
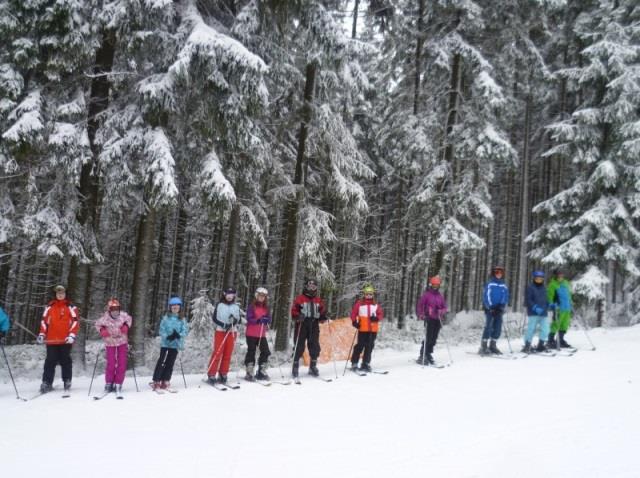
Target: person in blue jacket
{"x": 537, "y": 306}
{"x": 173, "y": 331}
{"x": 4, "y": 323}
{"x": 495, "y": 298}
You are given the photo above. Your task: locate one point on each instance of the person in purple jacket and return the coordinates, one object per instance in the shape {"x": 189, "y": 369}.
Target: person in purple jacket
{"x": 431, "y": 308}
{"x": 258, "y": 320}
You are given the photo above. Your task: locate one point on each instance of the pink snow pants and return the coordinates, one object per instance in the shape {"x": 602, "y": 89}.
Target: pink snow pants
{"x": 116, "y": 364}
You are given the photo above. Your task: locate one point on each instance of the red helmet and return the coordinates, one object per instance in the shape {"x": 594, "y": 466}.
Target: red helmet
{"x": 113, "y": 304}
{"x": 435, "y": 281}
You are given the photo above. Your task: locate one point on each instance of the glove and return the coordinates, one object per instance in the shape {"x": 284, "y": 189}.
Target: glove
{"x": 373, "y": 318}
{"x": 356, "y": 324}
{"x": 174, "y": 336}
{"x": 70, "y": 339}
{"x": 553, "y": 306}
{"x": 264, "y": 320}
{"x": 104, "y": 333}
{"x": 124, "y": 329}
{"x": 537, "y": 310}
{"x": 40, "y": 339}
{"x": 2, "y": 334}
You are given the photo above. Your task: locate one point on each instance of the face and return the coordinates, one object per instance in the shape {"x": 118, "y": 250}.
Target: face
{"x": 368, "y": 295}
{"x": 560, "y": 276}
{"x": 538, "y": 280}
{"x": 175, "y": 309}
{"x": 61, "y": 294}
{"x": 498, "y": 273}
{"x": 229, "y": 297}
{"x": 311, "y": 285}
{"x": 114, "y": 313}
{"x": 261, "y": 297}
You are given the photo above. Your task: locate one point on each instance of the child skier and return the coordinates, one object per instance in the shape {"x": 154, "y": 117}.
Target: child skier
{"x": 4, "y": 323}
{"x": 537, "y": 306}
{"x": 308, "y": 310}
{"x": 58, "y": 329}
{"x": 258, "y": 321}
{"x": 431, "y": 308}
{"x": 226, "y": 316}
{"x": 366, "y": 315}
{"x": 495, "y": 298}
{"x": 559, "y": 294}
{"x": 173, "y": 331}
{"x": 113, "y": 327}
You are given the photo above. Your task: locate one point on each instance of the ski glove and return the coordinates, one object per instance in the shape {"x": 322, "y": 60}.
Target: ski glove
{"x": 124, "y": 329}
{"x": 174, "y": 336}
{"x": 265, "y": 320}
{"x": 553, "y": 306}
{"x": 537, "y": 310}
{"x": 40, "y": 339}
{"x": 373, "y": 318}
{"x": 104, "y": 333}
{"x": 70, "y": 339}
{"x": 356, "y": 324}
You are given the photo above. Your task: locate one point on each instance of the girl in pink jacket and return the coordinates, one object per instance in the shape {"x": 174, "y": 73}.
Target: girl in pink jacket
{"x": 113, "y": 327}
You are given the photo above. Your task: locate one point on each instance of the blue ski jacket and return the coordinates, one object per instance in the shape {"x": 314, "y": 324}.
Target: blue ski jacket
{"x": 4, "y": 321}
{"x": 536, "y": 300}
{"x": 168, "y": 324}
{"x": 496, "y": 294}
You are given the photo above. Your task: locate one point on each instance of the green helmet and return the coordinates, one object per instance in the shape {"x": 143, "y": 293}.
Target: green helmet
{"x": 368, "y": 289}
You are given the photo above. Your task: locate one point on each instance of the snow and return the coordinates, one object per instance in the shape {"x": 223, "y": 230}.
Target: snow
{"x": 481, "y": 417}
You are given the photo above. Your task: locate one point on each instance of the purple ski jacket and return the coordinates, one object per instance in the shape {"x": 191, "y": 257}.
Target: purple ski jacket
{"x": 431, "y": 305}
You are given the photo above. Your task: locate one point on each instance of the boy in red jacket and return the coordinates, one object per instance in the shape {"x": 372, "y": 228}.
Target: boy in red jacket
{"x": 366, "y": 315}
{"x": 308, "y": 311}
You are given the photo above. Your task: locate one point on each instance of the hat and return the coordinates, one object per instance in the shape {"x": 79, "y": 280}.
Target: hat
{"x": 435, "y": 281}
{"x": 262, "y": 290}
{"x": 113, "y": 304}
{"x": 175, "y": 301}
{"x": 229, "y": 291}
{"x": 59, "y": 288}
{"x": 538, "y": 274}
{"x": 368, "y": 289}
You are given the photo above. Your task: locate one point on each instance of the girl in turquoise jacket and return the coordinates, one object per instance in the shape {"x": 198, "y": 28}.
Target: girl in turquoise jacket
{"x": 173, "y": 331}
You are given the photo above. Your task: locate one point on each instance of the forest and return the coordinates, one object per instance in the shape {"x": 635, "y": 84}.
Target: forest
{"x": 158, "y": 148}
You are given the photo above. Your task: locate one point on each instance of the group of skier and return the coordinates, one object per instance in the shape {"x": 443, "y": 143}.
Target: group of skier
{"x": 60, "y": 323}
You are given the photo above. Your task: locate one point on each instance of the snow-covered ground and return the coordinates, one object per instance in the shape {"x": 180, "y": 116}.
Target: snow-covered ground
{"x": 553, "y": 417}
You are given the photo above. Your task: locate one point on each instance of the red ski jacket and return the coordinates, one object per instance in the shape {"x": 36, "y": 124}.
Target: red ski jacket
{"x": 59, "y": 320}
{"x": 311, "y": 307}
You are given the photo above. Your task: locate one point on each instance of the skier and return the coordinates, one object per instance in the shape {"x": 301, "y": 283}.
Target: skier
{"x": 559, "y": 293}
{"x": 113, "y": 326}
{"x": 173, "y": 331}
{"x": 258, "y": 321}
{"x": 537, "y": 306}
{"x": 58, "y": 329}
{"x": 495, "y": 298}
{"x": 226, "y": 316}
{"x": 366, "y": 315}
{"x": 308, "y": 311}
{"x": 4, "y": 323}
{"x": 431, "y": 308}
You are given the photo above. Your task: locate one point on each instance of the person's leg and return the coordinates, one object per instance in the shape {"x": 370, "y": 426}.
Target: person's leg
{"x": 227, "y": 353}
{"x": 110, "y": 369}
{"x": 168, "y": 368}
{"x": 368, "y": 348}
{"x": 216, "y": 356}
{"x": 160, "y": 365}
{"x": 64, "y": 357}
{"x": 358, "y": 348}
{"x": 121, "y": 364}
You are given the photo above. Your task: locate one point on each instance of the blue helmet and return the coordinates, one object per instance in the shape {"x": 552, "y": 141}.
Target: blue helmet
{"x": 538, "y": 274}
{"x": 175, "y": 301}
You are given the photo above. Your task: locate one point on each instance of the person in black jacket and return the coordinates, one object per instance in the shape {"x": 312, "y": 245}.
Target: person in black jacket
{"x": 537, "y": 306}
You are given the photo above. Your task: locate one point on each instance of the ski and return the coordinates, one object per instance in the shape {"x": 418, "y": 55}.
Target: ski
{"x": 507, "y": 356}
{"x": 233, "y": 387}
{"x": 297, "y": 380}
{"x": 264, "y": 383}
{"x": 170, "y": 390}
{"x": 359, "y": 372}
{"x": 284, "y": 382}
{"x": 324, "y": 379}
{"x": 216, "y": 385}
{"x": 119, "y": 396}
{"x": 100, "y": 397}
{"x": 38, "y": 395}
{"x": 66, "y": 395}
{"x": 380, "y": 372}
{"x": 548, "y": 353}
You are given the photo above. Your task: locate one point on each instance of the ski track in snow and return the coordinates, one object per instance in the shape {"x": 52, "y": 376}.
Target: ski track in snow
{"x": 553, "y": 417}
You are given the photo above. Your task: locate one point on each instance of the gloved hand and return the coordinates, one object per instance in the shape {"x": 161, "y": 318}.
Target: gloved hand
{"x": 124, "y": 329}
{"x": 553, "y": 306}
{"x": 174, "y": 336}
{"x": 70, "y": 339}
{"x": 373, "y": 318}
{"x": 264, "y": 320}
{"x": 2, "y": 334}
{"x": 537, "y": 310}
{"x": 104, "y": 333}
{"x": 356, "y": 324}
{"x": 40, "y": 339}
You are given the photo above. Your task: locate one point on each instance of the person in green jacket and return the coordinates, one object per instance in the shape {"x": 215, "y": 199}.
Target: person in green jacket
{"x": 559, "y": 295}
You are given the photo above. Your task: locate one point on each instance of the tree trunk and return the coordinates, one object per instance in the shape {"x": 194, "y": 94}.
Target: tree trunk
{"x": 525, "y": 209}
{"x": 139, "y": 288}
{"x": 354, "y": 26}
{"x": 289, "y": 253}
{"x": 228, "y": 274}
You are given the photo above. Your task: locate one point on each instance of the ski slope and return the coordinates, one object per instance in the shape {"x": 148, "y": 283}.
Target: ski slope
{"x": 482, "y": 417}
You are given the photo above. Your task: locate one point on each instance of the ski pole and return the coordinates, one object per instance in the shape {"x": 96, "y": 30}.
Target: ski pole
{"x": 135, "y": 379}
{"x": 94, "y": 372}
{"x": 215, "y": 354}
{"x": 11, "y": 374}
{"x": 584, "y": 329}
{"x": 279, "y": 364}
{"x": 182, "y": 370}
{"x": 295, "y": 344}
{"x": 424, "y": 343}
{"x": 235, "y": 355}
{"x": 446, "y": 342}
{"x": 353, "y": 342}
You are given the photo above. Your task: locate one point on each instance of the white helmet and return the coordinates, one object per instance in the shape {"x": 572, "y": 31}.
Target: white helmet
{"x": 261, "y": 290}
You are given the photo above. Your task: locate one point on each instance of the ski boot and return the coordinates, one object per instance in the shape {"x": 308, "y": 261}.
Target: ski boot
{"x": 541, "y": 346}
{"x": 155, "y": 386}
{"x": 429, "y": 360}
{"x": 365, "y": 367}
{"x": 249, "y": 376}
{"x": 67, "y": 385}
{"x": 211, "y": 379}
{"x": 108, "y": 387}
{"x": 45, "y": 387}
{"x": 527, "y": 348}
{"x": 118, "y": 388}
{"x": 551, "y": 342}
{"x": 222, "y": 379}
{"x": 294, "y": 369}
{"x": 563, "y": 343}
{"x": 165, "y": 385}
{"x": 484, "y": 350}
{"x": 262, "y": 372}
{"x": 493, "y": 349}
{"x": 354, "y": 366}
{"x": 313, "y": 369}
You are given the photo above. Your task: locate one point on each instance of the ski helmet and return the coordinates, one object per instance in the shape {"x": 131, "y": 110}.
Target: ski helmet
{"x": 536, "y": 274}
{"x": 435, "y": 281}
{"x": 497, "y": 269}
{"x": 113, "y": 304}
{"x": 229, "y": 291}
{"x": 368, "y": 289}
{"x": 175, "y": 301}
{"x": 261, "y": 291}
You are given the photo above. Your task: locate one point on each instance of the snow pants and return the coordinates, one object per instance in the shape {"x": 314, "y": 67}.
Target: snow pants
{"x": 254, "y": 343}
{"x": 561, "y": 322}
{"x": 164, "y": 365}
{"x": 116, "y": 364}
{"x": 432, "y": 330}
{"x": 366, "y": 342}
{"x": 307, "y": 330}
{"x": 57, "y": 354}
{"x": 534, "y": 322}
{"x": 493, "y": 324}
{"x": 223, "y": 342}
